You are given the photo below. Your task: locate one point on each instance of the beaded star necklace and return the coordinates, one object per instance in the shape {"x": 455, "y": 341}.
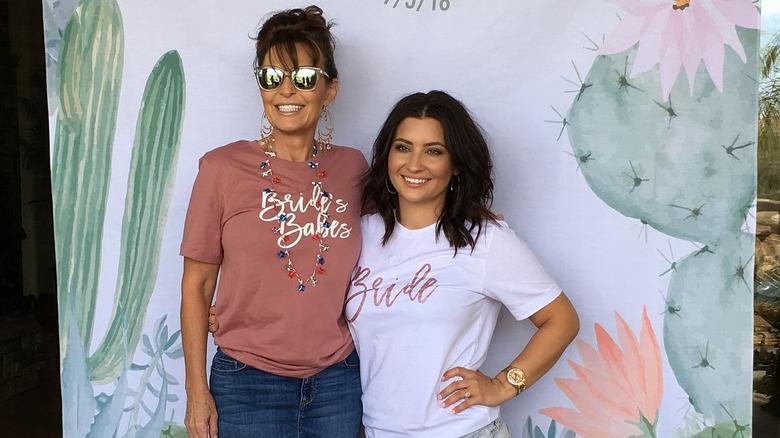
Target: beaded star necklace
{"x": 266, "y": 144}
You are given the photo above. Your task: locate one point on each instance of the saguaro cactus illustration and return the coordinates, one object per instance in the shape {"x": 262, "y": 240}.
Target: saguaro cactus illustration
{"x": 88, "y": 80}
{"x": 88, "y": 83}
{"x": 152, "y": 168}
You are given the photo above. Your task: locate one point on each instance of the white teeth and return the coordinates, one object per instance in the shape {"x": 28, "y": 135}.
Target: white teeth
{"x": 289, "y": 108}
{"x": 415, "y": 180}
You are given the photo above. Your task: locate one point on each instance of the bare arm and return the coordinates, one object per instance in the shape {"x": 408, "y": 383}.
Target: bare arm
{"x": 197, "y": 290}
{"x": 557, "y": 324}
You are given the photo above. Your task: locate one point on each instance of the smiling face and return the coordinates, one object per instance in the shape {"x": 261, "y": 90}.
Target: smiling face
{"x": 420, "y": 167}
{"x": 292, "y": 112}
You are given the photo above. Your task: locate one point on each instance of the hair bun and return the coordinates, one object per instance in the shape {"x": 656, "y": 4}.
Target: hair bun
{"x": 306, "y": 26}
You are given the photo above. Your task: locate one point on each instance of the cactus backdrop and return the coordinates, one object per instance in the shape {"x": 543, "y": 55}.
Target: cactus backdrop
{"x": 88, "y": 79}
{"x": 678, "y": 153}
{"x": 624, "y": 142}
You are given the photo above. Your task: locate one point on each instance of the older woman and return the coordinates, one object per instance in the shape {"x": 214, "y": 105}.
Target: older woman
{"x": 277, "y": 222}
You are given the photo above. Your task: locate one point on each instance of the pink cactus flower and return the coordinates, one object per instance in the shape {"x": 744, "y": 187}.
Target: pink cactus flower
{"x": 618, "y": 389}
{"x": 681, "y": 33}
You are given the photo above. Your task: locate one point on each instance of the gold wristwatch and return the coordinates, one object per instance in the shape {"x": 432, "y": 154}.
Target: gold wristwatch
{"x": 516, "y": 377}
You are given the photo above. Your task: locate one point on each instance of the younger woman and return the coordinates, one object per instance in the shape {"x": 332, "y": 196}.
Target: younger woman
{"x": 435, "y": 268}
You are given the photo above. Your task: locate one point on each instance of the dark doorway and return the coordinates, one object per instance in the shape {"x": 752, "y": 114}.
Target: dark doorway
{"x": 30, "y": 402}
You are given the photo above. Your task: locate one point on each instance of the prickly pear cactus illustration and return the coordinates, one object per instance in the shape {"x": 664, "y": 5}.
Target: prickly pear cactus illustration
{"x": 684, "y": 164}
{"x": 710, "y": 294}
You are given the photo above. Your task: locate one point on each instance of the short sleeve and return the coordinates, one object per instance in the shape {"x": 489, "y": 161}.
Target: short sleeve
{"x": 515, "y": 277}
{"x": 202, "y": 239}
{"x": 362, "y": 163}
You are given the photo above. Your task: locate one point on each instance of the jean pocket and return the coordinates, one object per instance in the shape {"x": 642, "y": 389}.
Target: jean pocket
{"x": 223, "y": 363}
{"x": 353, "y": 360}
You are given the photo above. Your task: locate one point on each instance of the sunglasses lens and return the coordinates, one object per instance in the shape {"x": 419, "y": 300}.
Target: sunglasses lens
{"x": 269, "y": 78}
{"x": 304, "y": 78}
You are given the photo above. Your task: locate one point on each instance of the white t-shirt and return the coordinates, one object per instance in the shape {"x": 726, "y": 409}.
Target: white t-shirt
{"x": 415, "y": 312}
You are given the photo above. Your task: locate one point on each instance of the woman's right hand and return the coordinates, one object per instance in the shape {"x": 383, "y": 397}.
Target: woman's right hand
{"x": 213, "y": 324}
{"x": 201, "y": 416}
{"x": 198, "y": 282}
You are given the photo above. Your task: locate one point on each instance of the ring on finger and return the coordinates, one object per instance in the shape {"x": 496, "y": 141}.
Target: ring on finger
{"x": 466, "y": 394}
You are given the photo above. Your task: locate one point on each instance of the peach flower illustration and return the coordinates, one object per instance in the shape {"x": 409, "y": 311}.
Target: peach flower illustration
{"x": 681, "y": 33}
{"x": 618, "y": 389}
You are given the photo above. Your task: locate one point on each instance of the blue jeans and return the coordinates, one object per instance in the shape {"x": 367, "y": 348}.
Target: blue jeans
{"x": 257, "y": 404}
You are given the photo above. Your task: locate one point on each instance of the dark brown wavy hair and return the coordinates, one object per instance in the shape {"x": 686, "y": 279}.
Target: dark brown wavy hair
{"x": 284, "y": 29}
{"x": 467, "y": 205}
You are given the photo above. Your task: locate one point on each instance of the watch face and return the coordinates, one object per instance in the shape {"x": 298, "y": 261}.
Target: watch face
{"x": 515, "y": 376}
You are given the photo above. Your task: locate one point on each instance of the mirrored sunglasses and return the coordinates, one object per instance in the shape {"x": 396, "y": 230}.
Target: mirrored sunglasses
{"x": 303, "y": 78}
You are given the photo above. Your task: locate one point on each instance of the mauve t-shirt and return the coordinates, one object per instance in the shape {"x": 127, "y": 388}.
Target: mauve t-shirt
{"x": 264, "y": 321}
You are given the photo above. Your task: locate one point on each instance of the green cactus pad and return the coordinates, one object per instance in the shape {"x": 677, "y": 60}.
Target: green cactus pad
{"x": 707, "y": 323}
{"x": 686, "y": 164}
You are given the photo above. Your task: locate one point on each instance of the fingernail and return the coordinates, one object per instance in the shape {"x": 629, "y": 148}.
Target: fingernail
{"x": 439, "y": 396}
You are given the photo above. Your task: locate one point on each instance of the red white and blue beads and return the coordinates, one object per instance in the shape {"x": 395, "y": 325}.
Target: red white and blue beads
{"x": 284, "y": 253}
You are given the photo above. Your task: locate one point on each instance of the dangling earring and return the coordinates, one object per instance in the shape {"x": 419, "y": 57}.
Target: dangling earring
{"x": 324, "y": 130}
{"x": 454, "y": 183}
{"x": 266, "y": 129}
{"x": 389, "y": 190}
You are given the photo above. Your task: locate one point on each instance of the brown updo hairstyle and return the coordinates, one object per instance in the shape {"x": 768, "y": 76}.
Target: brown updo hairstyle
{"x": 308, "y": 27}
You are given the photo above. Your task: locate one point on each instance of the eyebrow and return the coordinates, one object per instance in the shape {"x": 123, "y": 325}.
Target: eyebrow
{"x": 433, "y": 143}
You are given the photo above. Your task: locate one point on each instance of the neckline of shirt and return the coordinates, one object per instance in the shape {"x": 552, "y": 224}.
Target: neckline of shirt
{"x": 402, "y": 230}
{"x": 323, "y": 157}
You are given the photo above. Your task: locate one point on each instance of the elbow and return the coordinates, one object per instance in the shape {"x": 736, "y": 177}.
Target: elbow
{"x": 570, "y": 324}
{"x": 574, "y": 325}
{"x": 571, "y": 321}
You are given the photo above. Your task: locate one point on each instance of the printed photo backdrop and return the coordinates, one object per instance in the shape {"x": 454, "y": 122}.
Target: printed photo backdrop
{"x": 624, "y": 140}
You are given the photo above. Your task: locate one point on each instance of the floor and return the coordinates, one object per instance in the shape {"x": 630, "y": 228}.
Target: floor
{"x": 36, "y": 413}
{"x": 764, "y": 425}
